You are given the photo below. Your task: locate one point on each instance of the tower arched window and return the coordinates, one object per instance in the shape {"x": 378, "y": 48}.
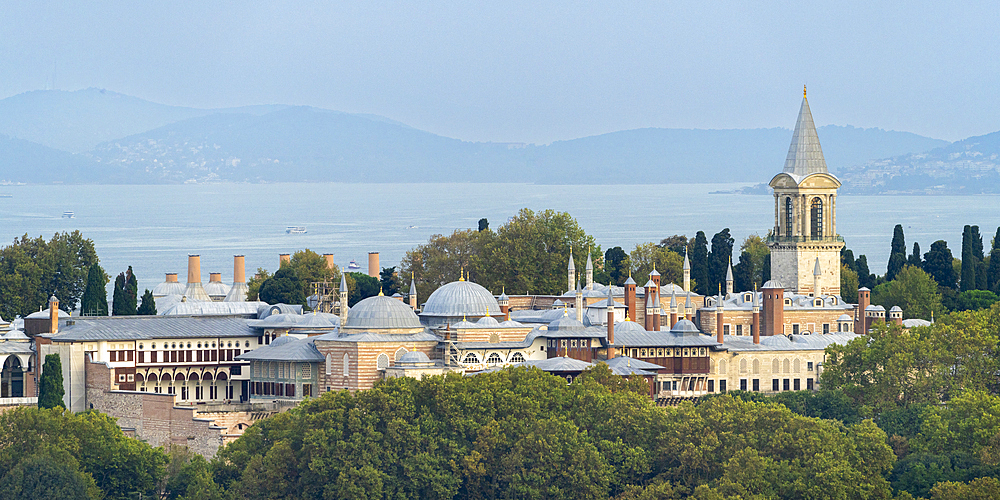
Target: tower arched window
{"x": 383, "y": 361}
{"x": 329, "y": 364}
{"x": 347, "y": 365}
{"x": 789, "y": 215}
{"x": 817, "y": 217}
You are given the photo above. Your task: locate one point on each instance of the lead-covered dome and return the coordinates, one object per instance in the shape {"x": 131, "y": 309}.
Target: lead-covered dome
{"x": 381, "y": 312}
{"x": 461, "y": 298}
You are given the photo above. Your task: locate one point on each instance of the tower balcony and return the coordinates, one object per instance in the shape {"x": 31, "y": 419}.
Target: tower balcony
{"x": 805, "y": 239}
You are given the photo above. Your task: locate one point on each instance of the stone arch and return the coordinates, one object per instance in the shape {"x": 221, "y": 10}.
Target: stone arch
{"x": 787, "y": 366}
{"x": 743, "y": 366}
{"x": 494, "y": 359}
{"x": 329, "y": 364}
{"x": 775, "y": 366}
{"x": 816, "y": 217}
{"x": 12, "y": 378}
{"x": 470, "y": 359}
{"x": 347, "y": 365}
{"x": 789, "y": 216}
{"x": 517, "y": 357}
{"x": 722, "y": 367}
{"x": 756, "y": 366}
{"x": 797, "y": 365}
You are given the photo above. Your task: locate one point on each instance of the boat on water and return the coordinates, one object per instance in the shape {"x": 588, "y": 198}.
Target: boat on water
{"x": 353, "y": 265}
{"x": 295, "y": 230}
{"x": 68, "y": 215}
{"x": 6, "y": 195}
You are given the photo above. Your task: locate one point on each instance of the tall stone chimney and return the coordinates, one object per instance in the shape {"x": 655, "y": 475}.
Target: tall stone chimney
{"x": 328, "y": 257}
{"x": 53, "y": 314}
{"x": 860, "y": 321}
{"x": 284, "y": 258}
{"x": 774, "y": 308}
{"x": 630, "y": 298}
{"x": 194, "y": 290}
{"x": 238, "y": 292}
{"x": 215, "y": 277}
{"x": 373, "y": 265}
{"x": 171, "y": 278}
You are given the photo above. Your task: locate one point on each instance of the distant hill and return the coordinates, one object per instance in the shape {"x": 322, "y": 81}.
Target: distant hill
{"x": 123, "y": 139}
{"x": 970, "y": 166}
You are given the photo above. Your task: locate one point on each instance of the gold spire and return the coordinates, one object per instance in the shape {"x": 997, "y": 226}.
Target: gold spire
{"x": 461, "y": 274}
{"x": 803, "y": 91}
{"x": 380, "y": 294}
{"x": 626, "y": 316}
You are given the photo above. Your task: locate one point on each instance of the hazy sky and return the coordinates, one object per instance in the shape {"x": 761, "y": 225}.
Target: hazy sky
{"x": 531, "y": 71}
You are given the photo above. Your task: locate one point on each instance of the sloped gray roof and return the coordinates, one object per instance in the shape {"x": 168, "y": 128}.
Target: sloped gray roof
{"x": 461, "y": 298}
{"x": 377, "y": 337}
{"x": 625, "y": 361}
{"x": 150, "y": 327}
{"x": 382, "y": 312}
{"x": 15, "y": 334}
{"x": 191, "y": 307}
{"x": 168, "y": 288}
{"x": 237, "y": 293}
{"x": 297, "y": 350}
{"x": 565, "y": 323}
{"x": 805, "y": 156}
{"x": 787, "y": 343}
{"x": 559, "y": 364}
{"x": 217, "y": 289}
{"x": 13, "y": 347}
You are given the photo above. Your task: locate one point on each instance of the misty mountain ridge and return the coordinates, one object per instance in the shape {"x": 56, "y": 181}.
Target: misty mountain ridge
{"x": 157, "y": 143}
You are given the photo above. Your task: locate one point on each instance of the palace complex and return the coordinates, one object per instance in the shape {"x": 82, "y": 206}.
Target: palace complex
{"x": 211, "y": 363}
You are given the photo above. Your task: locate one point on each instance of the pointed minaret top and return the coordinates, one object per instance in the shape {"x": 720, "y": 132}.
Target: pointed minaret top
{"x": 673, "y": 299}
{"x": 816, "y": 270}
{"x": 413, "y": 285}
{"x": 805, "y": 156}
{"x": 687, "y": 263}
{"x": 572, "y": 267}
{"x": 343, "y": 282}
{"x": 688, "y": 303}
{"x": 729, "y": 272}
{"x": 590, "y": 263}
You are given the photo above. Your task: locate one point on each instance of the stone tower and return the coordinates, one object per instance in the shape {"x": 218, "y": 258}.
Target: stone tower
{"x": 805, "y": 214}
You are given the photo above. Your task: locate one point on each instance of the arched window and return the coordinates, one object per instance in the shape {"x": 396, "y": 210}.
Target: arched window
{"x": 493, "y": 359}
{"x": 722, "y": 367}
{"x": 517, "y": 357}
{"x": 817, "y": 217}
{"x": 329, "y": 364}
{"x": 743, "y": 366}
{"x": 797, "y": 365}
{"x": 470, "y": 359}
{"x": 756, "y": 366}
{"x": 400, "y": 352}
{"x": 776, "y": 366}
{"x": 383, "y": 361}
{"x": 788, "y": 216}
{"x": 347, "y": 365}
{"x": 787, "y": 366}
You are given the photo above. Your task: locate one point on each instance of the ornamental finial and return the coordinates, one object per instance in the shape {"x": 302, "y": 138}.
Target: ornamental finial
{"x": 803, "y": 91}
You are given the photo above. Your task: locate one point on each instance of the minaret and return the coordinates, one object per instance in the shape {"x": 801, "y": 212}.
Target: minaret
{"x": 343, "y": 299}
{"x": 630, "y": 297}
{"x": 719, "y": 317}
{"x": 413, "y": 292}
{"x": 817, "y": 275}
{"x": 579, "y": 302}
{"x": 504, "y": 302}
{"x": 755, "y": 321}
{"x": 571, "y": 271}
{"x": 689, "y": 309}
{"x": 673, "y": 310}
{"x": 687, "y": 273}
{"x": 590, "y": 271}
{"x": 611, "y": 325}
{"x": 729, "y": 278}
{"x": 805, "y": 213}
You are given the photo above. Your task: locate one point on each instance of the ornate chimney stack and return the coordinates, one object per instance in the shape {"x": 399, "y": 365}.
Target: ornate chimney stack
{"x": 53, "y": 314}
{"x": 238, "y": 292}
{"x": 755, "y": 321}
{"x": 774, "y": 308}
{"x": 630, "y": 297}
{"x": 611, "y": 325}
{"x": 860, "y": 321}
{"x": 373, "y": 265}
{"x": 194, "y": 290}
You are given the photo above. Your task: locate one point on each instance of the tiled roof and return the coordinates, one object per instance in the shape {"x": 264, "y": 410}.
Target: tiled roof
{"x": 298, "y": 350}
{"x": 151, "y": 327}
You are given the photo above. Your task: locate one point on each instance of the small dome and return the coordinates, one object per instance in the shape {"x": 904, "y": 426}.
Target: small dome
{"x": 565, "y": 323}
{"x": 684, "y": 326}
{"x": 15, "y": 335}
{"x": 557, "y": 304}
{"x": 414, "y": 359}
{"x": 864, "y": 289}
{"x": 628, "y": 326}
{"x": 671, "y": 288}
{"x": 879, "y": 308}
{"x": 511, "y": 324}
{"x": 895, "y": 309}
{"x": 168, "y": 288}
{"x": 213, "y": 288}
{"x": 773, "y": 284}
{"x": 381, "y": 312}
{"x": 871, "y": 308}
{"x": 461, "y": 298}
{"x": 487, "y": 321}
{"x": 284, "y": 339}
{"x": 844, "y": 317}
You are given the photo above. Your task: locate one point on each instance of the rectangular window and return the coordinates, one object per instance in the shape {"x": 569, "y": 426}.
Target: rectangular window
{"x": 112, "y": 356}
{"x": 131, "y": 377}
{"x": 213, "y": 392}
{"x": 795, "y": 329}
{"x": 307, "y": 390}
{"x": 795, "y": 385}
{"x": 306, "y": 372}
{"x": 809, "y": 384}
{"x": 826, "y": 327}
{"x": 229, "y": 392}
{"x": 170, "y": 390}
{"x": 711, "y": 386}
{"x": 739, "y": 329}
{"x": 785, "y": 384}
{"x": 756, "y": 385}
{"x": 774, "y": 384}
{"x": 197, "y": 392}
{"x": 743, "y": 384}
{"x": 722, "y": 386}
{"x": 809, "y": 366}
{"x": 725, "y": 329}
{"x": 184, "y": 392}
{"x": 131, "y": 355}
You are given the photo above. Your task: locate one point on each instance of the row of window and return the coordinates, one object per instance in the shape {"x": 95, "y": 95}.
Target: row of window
{"x": 200, "y": 345}
{"x": 199, "y": 391}
{"x": 202, "y": 356}
{"x": 668, "y": 352}
{"x": 494, "y": 359}
{"x": 572, "y": 343}
{"x": 777, "y": 366}
{"x": 276, "y": 389}
{"x": 274, "y": 369}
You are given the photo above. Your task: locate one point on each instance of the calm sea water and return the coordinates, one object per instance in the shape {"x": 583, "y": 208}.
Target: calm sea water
{"x": 154, "y": 228}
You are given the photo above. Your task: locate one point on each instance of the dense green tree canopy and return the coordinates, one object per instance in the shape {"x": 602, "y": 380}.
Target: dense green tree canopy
{"x": 390, "y": 281}
{"x": 124, "y": 300}
{"x": 647, "y": 256}
{"x": 284, "y": 287}
{"x": 913, "y": 290}
{"x": 698, "y": 256}
{"x": 95, "y": 296}
{"x": 32, "y": 270}
{"x": 361, "y": 286}
{"x": 148, "y": 306}
{"x": 938, "y": 263}
{"x": 50, "y": 384}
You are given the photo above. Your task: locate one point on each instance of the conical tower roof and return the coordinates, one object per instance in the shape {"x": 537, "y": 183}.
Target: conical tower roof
{"x": 805, "y": 156}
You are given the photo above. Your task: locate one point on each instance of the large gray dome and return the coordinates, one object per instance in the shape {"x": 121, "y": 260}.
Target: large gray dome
{"x": 461, "y": 298}
{"x": 169, "y": 288}
{"x": 381, "y": 312}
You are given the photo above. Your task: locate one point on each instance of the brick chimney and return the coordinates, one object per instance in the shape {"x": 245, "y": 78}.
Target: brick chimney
{"x": 171, "y": 278}
{"x": 284, "y": 258}
{"x": 239, "y": 269}
{"x": 373, "y": 265}
{"x": 53, "y": 314}
{"x": 774, "y": 308}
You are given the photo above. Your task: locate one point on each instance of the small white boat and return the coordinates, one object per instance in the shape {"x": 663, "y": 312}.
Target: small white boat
{"x": 353, "y": 265}
{"x": 68, "y": 215}
{"x": 295, "y": 230}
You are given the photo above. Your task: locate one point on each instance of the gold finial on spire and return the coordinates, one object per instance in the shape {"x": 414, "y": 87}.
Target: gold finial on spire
{"x": 803, "y": 91}
{"x": 626, "y": 316}
{"x": 461, "y": 274}
{"x": 380, "y": 294}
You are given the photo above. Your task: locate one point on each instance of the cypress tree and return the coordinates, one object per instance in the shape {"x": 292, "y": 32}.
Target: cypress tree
{"x": 123, "y": 302}
{"x": 993, "y": 272}
{"x": 865, "y": 277}
{"x": 719, "y": 258}
{"x": 50, "y": 385}
{"x": 765, "y": 273}
{"x": 118, "y": 296}
{"x": 95, "y": 297}
{"x": 743, "y": 278}
{"x": 914, "y": 259}
{"x": 131, "y": 291}
{"x": 996, "y": 241}
{"x": 977, "y": 253}
{"x": 938, "y": 264}
{"x": 148, "y": 306}
{"x": 698, "y": 255}
{"x": 897, "y": 254}
{"x": 847, "y": 259}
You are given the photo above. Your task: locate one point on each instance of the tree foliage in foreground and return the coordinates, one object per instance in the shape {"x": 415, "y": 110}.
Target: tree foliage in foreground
{"x": 32, "y": 270}
{"x": 522, "y": 433}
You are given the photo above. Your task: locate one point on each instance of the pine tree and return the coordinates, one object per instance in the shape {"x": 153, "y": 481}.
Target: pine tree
{"x": 148, "y": 306}
{"x": 897, "y": 253}
{"x": 914, "y": 258}
{"x": 698, "y": 255}
{"x": 50, "y": 385}
{"x": 95, "y": 296}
